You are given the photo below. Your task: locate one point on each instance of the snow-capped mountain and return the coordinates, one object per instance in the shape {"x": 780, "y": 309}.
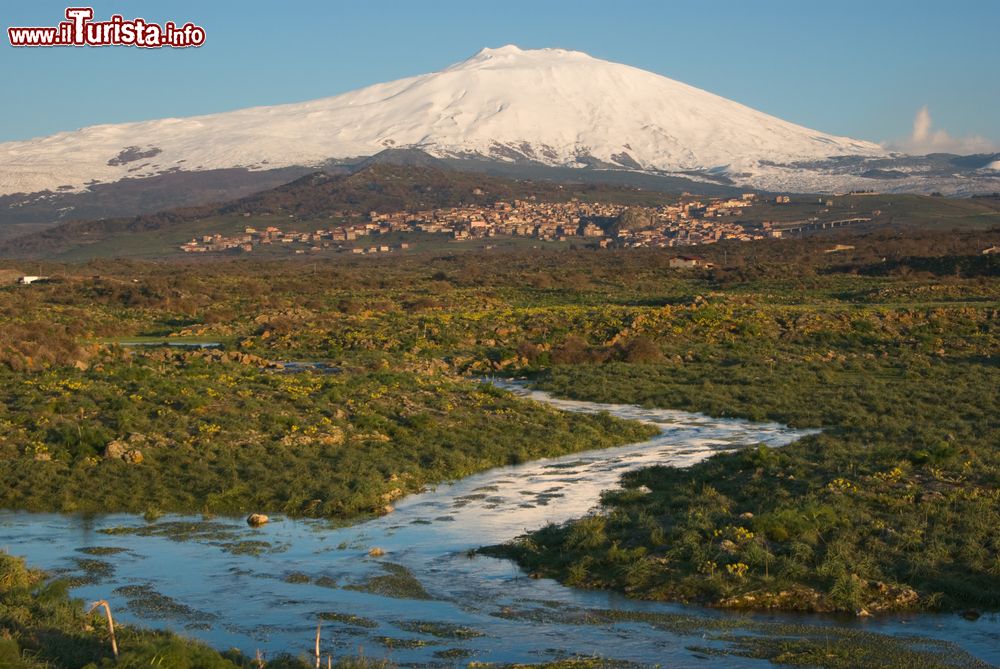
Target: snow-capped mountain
{"x": 548, "y": 106}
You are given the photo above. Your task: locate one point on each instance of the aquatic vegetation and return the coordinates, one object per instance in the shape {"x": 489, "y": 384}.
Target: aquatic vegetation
{"x": 781, "y": 643}
{"x": 440, "y": 630}
{"x": 393, "y": 642}
{"x": 325, "y": 582}
{"x": 398, "y": 582}
{"x": 102, "y": 550}
{"x": 182, "y": 530}
{"x": 571, "y": 662}
{"x": 250, "y": 547}
{"x": 453, "y": 654}
{"x": 145, "y": 601}
{"x": 847, "y": 649}
{"x": 91, "y": 571}
{"x": 348, "y": 619}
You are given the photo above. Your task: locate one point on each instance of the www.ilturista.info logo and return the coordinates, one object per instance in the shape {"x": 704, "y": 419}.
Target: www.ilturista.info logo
{"x": 80, "y": 30}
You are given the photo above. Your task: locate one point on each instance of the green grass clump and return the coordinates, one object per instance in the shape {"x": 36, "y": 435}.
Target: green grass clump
{"x": 398, "y": 582}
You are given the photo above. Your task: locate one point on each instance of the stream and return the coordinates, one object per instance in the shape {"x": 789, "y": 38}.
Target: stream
{"x": 427, "y": 600}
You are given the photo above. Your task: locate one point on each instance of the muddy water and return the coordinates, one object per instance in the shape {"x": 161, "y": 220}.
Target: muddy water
{"x": 426, "y": 600}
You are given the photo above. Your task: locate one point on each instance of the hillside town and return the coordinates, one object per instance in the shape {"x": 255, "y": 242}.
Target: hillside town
{"x": 689, "y": 222}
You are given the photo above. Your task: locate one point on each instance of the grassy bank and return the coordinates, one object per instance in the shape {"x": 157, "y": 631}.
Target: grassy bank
{"x": 891, "y": 507}
{"x": 178, "y": 432}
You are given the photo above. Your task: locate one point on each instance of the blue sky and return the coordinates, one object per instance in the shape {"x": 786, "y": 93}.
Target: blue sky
{"x": 862, "y": 69}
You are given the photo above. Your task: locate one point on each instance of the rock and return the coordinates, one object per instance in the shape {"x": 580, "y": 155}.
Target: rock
{"x": 888, "y": 597}
{"x": 971, "y": 614}
{"x": 796, "y": 598}
{"x": 133, "y": 456}
{"x": 863, "y": 613}
{"x": 728, "y": 546}
{"x": 393, "y": 494}
{"x": 333, "y": 437}
{"x": 116, "y": 449}
{"x": 746, "y": 515}
{"x": 371, "y": 436}
{"x": 42, "y": 457}
{"x": 385, "y": 510}
{"x": 257, "y": 519}
{"x": 376, "y": 552}
{"x": 128, "y": 448}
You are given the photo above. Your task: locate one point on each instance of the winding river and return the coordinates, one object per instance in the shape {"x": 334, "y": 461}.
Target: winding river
{"x": 426, "y": 600}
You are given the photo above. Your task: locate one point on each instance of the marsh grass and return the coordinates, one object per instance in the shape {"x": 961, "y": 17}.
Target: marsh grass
{"x": 146, "y": 602}
{"x": 348, "y": 619}
{"x": 438, "y": 629}
{"x": 102, "y": 550}
{"x": 398, "y": 582}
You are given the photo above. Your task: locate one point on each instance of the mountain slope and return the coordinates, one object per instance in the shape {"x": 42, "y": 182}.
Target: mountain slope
{"x": 551, "y": 106}
{"x": 507, "y": 106}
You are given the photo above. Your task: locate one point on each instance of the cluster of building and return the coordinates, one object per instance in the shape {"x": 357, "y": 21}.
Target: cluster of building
{"x": 695, "y": 222}
{"x": 302, "y": 242}
{"x": 687, "y": 223}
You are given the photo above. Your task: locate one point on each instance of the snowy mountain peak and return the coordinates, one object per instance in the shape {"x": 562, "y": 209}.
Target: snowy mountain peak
{"x": 550, "y": 106}
{"x": 505, "y": 50}
{"x": 512, "y": 52}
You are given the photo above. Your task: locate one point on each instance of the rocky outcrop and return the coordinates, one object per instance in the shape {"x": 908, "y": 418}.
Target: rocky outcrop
{"x": 215, "y": 355}
{"x": 795, "y": 598}
{"x": 129, "y": 449}
{"x": 875, "y": 597}
{"x": 238, "y": 358}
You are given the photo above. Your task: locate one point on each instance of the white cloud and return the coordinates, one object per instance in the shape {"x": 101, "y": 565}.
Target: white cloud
{"x": 925, "y": 139}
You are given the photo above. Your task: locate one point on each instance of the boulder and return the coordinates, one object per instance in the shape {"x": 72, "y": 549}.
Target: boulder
{"x": 257, "y": 519}
{"x": 116, "y": 449}
{"x": 391, "y": 495}
{"x": 129, "y": 448}
{"x": 133, "y": 456}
